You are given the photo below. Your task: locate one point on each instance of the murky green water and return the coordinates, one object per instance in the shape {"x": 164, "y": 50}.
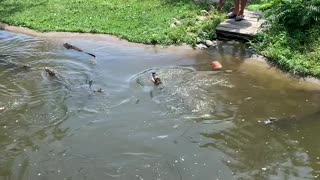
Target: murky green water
{"x": 199, "y": 125}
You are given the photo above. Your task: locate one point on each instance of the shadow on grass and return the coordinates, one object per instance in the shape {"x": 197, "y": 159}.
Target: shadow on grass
{"x": 11, "y": 8}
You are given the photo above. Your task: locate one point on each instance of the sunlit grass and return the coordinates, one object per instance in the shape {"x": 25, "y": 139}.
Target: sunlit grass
{"x": 145, "y": 21}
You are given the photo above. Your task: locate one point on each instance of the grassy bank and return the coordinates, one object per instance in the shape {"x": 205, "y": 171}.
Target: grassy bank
{"x": 145, "y": 21}
{"x": 291, "y": 40}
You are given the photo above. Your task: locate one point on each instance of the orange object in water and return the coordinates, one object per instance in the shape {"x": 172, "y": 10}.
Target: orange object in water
{"x": 216, "y": 65}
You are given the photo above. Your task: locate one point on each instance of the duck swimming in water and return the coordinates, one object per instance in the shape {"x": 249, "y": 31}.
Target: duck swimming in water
{"x": 50, "y": 71}
{"x": 155, "y": 79}
{"x": 99, "y": 90}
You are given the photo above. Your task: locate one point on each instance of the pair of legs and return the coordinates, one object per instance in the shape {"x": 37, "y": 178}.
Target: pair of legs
{"x": 239, "y": 6}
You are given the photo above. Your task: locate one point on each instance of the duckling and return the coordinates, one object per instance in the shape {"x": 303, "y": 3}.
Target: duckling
{"x": 155, "y": 79}
{"x": 50, "y": 71}
{"x": 99, "y": 90}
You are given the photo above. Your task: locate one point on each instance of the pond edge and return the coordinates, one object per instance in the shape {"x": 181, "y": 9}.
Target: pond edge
{"x": 112, "y": 38}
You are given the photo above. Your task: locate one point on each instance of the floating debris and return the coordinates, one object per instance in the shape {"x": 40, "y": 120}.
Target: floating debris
{"x": 90, "y": 83}
{"x": 270, "y": 120}
{"x": 50, "y": 71}
{"x": 162, "y": 136}
{"x": 216, "y": 65}
{"x": 70, "y": 46}
{"x": 2, "y": 109}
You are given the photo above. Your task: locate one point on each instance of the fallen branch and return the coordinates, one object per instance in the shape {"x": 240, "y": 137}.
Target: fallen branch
{"x": 70, "y": 46}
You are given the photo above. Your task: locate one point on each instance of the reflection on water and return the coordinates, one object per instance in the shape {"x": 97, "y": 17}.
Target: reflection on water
{"x": 199, "y": 124}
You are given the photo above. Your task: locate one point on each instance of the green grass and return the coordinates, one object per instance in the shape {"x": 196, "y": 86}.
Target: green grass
{"x": 292, "y": 38}
{"x": 293, "y": 51}
{"x": 144, "y": 21}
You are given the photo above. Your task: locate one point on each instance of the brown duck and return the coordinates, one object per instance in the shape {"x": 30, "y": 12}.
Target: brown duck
{"x": 155, "y": 79}
{"x": 50, "y": 71}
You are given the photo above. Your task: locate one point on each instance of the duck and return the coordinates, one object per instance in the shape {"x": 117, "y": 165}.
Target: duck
{"x": 99, "y": 90}
{"x": 155, "y": 79}
{"x": 50, "y": 71}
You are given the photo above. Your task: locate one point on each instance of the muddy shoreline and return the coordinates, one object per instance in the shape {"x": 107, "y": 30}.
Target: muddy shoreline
{"x": 59, "y": 36}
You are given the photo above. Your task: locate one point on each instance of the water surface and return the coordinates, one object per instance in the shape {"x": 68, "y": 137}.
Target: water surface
{"x": 199, "y": 124}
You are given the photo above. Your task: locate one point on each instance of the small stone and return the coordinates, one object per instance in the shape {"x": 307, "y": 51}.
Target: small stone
{"x": 264, "y": 169}
{"x": 201, "y": 46}
{"x": 228, "y": 71}
{"x": 209, "y": 43}
{"x": 173, "y": 25}
{"x": 204, "y": 13}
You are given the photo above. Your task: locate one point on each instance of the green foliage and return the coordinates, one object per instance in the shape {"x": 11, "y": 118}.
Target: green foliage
{"x": 293, "y": 13}
{"x": 292, "y": 38}
{"x": 145, "y": 21}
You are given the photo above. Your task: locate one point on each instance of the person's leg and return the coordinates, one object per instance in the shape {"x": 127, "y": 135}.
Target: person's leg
{"x": 221, "y": 2}
{"x": 235, "y": 11}
{"x": 236, "y": 6}
{"x": 240, "y": 15}
{"x": 243, "y": 5}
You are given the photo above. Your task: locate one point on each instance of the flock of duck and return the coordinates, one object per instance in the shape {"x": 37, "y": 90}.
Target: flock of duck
{"x": 154, "y": 77}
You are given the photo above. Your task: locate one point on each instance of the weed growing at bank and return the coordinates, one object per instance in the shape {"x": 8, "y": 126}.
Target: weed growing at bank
{"x": 291, "y": 39}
